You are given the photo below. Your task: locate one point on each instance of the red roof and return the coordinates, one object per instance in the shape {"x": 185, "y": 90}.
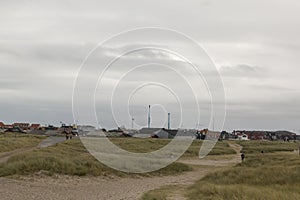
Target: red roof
{"x": 35, "y": 125}
{"x": 2, "y": 124}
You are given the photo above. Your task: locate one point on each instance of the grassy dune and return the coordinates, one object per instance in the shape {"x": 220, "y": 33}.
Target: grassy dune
{"x": 161, "y": 193}
{"x": 72, "y": 158}
{"x": 273, "y": 175}
{"x": 267, "y": 146}
{"x": 148, "y": 145}
{"x": 10, "y": 141}
{"x": 221, "y": 148}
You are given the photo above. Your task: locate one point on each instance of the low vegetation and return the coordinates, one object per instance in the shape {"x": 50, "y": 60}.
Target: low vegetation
{"x": 221, "y": 148}
{"x": 161, "y": 193}
{"x": 12, "y": 141}
{"x": 267, "y": 146}
{"x": 70, "y": 158}
{"x": 147, "y": 145}
{"x": 273, "y": 174}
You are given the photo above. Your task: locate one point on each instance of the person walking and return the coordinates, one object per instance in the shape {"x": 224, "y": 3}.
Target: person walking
{"x": 243, "y": 157}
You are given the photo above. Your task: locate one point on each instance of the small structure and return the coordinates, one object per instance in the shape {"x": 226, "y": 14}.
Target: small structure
{"x": 35, "y": 126}
{"x": 23, "y": 126}
{"x": 15, "y": 129}
{"x": 5, "y": 126}
{"x": 186, "y": 134}
{"x": 150, "y": 132}
{"x": 207, "y": 134}
{"x": 243, "y": 137}
{"x": 155, "y": 133}
{"x": 85, "y": 129}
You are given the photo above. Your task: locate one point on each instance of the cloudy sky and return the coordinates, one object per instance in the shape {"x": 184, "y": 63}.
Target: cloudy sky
{"x": 255, "y": 46}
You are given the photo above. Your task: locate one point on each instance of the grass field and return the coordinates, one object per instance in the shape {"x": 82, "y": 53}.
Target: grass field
{"x": 148, "y": 145}
{"x": 267, "y": 146}
{"x": 221, "y": 148}
{"x": 72, "y": 158}
{"x": 274, "y": 175}
{"x": 161, "y": 193}
{"x": 11, "y": 141}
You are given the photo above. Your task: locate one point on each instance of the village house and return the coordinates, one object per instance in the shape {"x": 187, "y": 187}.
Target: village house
{"x": 35, "y": 126}
{"x": 265, "y": 135}
{"x": 242, "y": 137}
{"x": 187, "y": 134}
{"x": 156, "y": 133}
{"x": 23, "y": 126}
{"x": 5, "y": 126}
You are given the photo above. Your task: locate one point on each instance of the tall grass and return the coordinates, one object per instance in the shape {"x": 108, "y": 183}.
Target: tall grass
{"x": 70, "y": 158}
{"x": 12, "y": 141}
{"x": 267, "y": 146}
{"x": 221, "y": 148}
{"x": 273, "y": 175}
{"x": 138, "y": 145}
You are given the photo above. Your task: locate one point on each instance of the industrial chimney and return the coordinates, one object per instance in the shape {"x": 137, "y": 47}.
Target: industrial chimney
{"x": 149, "y": 116}
{"x": 169, "y": 120}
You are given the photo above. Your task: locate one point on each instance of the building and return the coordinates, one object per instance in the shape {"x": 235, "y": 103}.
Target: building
{"x": 155, "y": 133}
{"x": 151, "y": 132}
{"x": 23, "y": 126}
{"x": 243, "y": 137}
{"x": 186, "y": 134}
{"x": 5, "y": 126}
{"x": 35, "y": 126}
{"x": 285, "y": 135}
{"x": 15, "y": 129}
{"x": 85, "y": 129}
{"x": 207, "y": 134}
{"x": 265, "y": 135}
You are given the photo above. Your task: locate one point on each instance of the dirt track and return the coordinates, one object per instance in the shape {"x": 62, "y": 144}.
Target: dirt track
{"x": 89, "y": 188}
{"x": 45, "y": 143}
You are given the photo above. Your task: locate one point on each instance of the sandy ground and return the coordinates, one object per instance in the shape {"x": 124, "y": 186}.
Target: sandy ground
{"x": 90, "y": 188}
{"x": 52, "y": 140}
{"x": 5, "y": 156}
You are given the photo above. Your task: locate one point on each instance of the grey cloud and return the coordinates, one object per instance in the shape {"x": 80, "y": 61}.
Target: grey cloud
{"x": 42, "y": 44}
{"x": 242, "y": 70}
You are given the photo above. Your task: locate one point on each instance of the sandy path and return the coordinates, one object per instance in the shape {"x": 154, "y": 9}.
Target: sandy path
{"x": 5, "y": 156}
{"x": 45, "y": 143}
{"x": 89, "y": 188}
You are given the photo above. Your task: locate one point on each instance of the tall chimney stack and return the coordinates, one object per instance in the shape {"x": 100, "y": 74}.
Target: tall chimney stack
{"x": 149, "y": 116}
{"x": 169, "y": 120}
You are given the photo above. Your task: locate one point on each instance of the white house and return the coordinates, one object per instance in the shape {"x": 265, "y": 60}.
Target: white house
{"x": 243, "y": 137}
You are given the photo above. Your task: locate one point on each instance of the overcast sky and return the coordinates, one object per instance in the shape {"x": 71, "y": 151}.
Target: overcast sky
{"x": 255, "y": 45}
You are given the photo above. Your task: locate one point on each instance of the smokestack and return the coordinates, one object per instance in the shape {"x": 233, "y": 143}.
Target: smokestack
{"x": 132, "y": 123}
{"x": 169, "y": 120}
{"x": 149, "y": 116}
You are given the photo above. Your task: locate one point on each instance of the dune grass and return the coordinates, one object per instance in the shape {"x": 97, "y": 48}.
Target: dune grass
{"x": 161, "y": 193}
{"x": 12, "y": 141}
{"x": 138, "y": 145}
{"x": 273, "y": 175}
{"x": 221, "y": 148}
{"x": 69, "y": 158}
{"x": 267, "y": 146}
